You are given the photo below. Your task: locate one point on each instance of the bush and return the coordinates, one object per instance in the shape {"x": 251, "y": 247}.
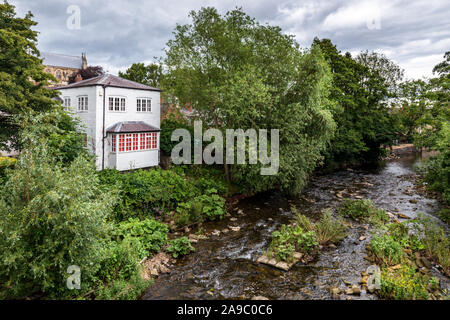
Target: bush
{"x": 363, "y": 209}
{"x": 403, "y": 284}
{"x": 189, "y": 212}
{"x": 435, "y": 242}
{"x": 213, "y": 206}
{"x": 180, "y": 247}
{"x": 121, "y": 289}
{"x": 52, "y": 217}
{"x": 386, "y": 250}
{"x": 329, "y": 229}
{"x": 151, "y": 234}
{"x": 144, "y": 191}
{"x": 6, "y": 162}
{"x": 289, "y": 239}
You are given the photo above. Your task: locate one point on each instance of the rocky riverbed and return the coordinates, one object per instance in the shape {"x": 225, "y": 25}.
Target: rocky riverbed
{"x": 224, "y": 265}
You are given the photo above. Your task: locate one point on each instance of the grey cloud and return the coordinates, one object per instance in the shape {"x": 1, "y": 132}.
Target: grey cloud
{"x": 116, "y": 33}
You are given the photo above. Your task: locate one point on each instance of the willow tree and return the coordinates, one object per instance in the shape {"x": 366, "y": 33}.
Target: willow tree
{"x": 237, "y": 73}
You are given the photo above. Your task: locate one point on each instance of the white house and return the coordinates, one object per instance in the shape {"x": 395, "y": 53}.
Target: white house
{"x": 121, "y": 119}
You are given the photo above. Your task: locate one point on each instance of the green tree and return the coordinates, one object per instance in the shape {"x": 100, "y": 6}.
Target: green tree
{"x": 52, "y": 217}
{"x": 146, "y": 74}
{"x": 360, "y": 90}
{"x": 22, "y": 76}
{"x": 237, "y": 73}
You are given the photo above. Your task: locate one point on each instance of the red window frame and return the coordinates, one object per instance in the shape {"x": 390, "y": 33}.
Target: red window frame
{"x": 154, "y": 140}
{"x": 135, "y": 142}
{"x": 121, "y": 143}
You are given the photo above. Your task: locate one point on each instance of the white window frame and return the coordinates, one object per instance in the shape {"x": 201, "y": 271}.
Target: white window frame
{"x": 118, "y": 101}
{"x": 139, "y": 104}
{"x": 83, "y": 103}
{"x": 67, "y": 106}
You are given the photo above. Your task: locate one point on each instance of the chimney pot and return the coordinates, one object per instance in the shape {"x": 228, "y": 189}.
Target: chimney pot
{"x": 78, "y": 78}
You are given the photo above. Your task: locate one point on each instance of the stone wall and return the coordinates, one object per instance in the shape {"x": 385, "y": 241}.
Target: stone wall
{"x": 62, "y": 74}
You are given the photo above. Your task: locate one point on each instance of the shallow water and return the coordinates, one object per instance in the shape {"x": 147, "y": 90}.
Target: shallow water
{"x": 224, "y": 266}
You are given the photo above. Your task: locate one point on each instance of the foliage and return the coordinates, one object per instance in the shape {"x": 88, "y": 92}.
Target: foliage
{"x": 88, "y": 73}
{"x": 52, "y": 217}
{"x": 237, "y": 73}
{"x": 180, "y": 247}
{"x": 22, "y": 77}
{"x": 403, "y": 284}
{"x": 363, "y": 209}
{"x": 330, "y": 229}
{"x": 120, "y": 289}
{"x": 386, "y": 249}
{"x": 167, "y": 127}
{"x": 435, "y": 241}
{"x": 151, "y": 233}
{"x": 289, "y": 239}
{"x": 360, "y": 89}
{"x": 144, "y": 191}
{"x": 213, "y": 206}
{"x": 6, "y": 163}
{"x": 149, "y": 75}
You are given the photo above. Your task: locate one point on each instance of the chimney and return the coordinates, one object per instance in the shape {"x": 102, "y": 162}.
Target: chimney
{"x": 78, "y": 77}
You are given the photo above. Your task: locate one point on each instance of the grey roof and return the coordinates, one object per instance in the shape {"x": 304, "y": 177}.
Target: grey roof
{"x": 131, "y": 126}
{"x": 109, "y": 80}
{"x": 61, "y": 60}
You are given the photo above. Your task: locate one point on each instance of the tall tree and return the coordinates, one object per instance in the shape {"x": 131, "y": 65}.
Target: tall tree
{"x": 237, "y": 73}
{"x": 360, "y": 89}
{"x": 146, "y": 74}
{"x": 22, "y": 76}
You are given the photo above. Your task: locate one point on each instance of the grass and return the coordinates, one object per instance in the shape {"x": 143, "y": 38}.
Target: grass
{"x": 386, "y": 250}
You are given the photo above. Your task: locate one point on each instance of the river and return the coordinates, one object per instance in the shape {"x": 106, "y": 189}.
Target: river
{"x": 224, "y": 266}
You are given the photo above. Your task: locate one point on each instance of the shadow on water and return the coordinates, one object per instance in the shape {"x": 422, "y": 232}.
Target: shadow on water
{"x": 224, "y": 266}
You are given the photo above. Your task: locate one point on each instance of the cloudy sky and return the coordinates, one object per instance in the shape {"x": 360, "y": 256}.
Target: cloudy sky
{"x": 116, "y": 33}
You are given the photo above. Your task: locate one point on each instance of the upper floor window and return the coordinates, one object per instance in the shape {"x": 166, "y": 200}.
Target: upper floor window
{"x": 67, "y": 103}
{"x": 144, "y": 105}
{"x": 117, "y": 104}
{"x": 82, "y": 103}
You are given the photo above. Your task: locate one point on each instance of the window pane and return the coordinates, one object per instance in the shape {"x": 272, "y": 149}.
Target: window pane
{"x": 135, "y": 141}
{"x": 113, "y": 143}
{"x": 138, "y": 105}
{"x": 142, "y": 141}
{"x": 122, "y": 104}
{"x": 116, "y": 105}
{"x": 128, "y": 142}
{"x": 149, "y": 105}
{"x": 111, "y": 104}
{"x": 121, "y": 143}
{"x": 143, "y": 105}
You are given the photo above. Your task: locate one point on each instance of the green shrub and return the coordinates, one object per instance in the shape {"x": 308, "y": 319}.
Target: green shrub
{"x": 143, "y": 191}
{"x": 180, "y": 247}
{"x": 403, "y": 284}
{"x": 6, "y": 163}
{"x": 306, "y": 241}
{"x": 213, "y": 206}
{"x": 386, "y": 250}
{"x": 289, "y": 239}
{"x": 151, "y": 233}
{"x": 189, "y": 212}
{"x": 329, "y": 229}
{"x": 120, "y": 260}
{"x": 301, "y": 220}
{"x": 51, "y": 217}
{"x": 363, "y": 209}
{"x": 120, "y": 289}
{"x": 435, "y": 241}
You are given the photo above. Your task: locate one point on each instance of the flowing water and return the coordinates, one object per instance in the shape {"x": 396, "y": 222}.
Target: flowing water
{"x": 224, "y": 266}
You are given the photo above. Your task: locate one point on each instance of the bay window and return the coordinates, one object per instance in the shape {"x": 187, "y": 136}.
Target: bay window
{"x": 135, "y": 141}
